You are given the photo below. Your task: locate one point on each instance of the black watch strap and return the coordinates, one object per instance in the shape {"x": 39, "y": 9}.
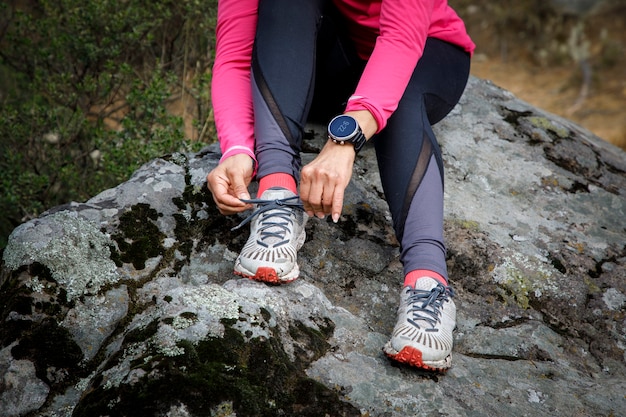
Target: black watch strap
{"x": 359, "y": 141}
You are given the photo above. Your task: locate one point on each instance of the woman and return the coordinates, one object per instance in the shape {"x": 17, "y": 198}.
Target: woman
{"x": 384, "y": 70}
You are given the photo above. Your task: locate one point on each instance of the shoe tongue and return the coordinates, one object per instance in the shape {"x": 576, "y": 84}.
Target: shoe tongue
{"x": 276, "y": 194}
{"x": 425, "y": 284}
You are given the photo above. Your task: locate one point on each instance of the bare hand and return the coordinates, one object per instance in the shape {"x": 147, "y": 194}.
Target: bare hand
{"x": 323, "y": 181}
{"x": 229, "y": 182}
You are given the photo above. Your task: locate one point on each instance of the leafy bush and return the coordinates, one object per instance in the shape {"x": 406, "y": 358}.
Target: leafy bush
{"x": 84, "y": 92}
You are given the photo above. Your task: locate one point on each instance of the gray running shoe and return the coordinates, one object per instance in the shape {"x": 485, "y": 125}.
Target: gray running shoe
{"x": 276, "y": 234}
{"x": 422, "y": 336}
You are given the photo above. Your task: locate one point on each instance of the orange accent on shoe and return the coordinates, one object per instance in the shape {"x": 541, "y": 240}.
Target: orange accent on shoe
{"x": 266, "y": 274}
{"x": 413, "y": 357}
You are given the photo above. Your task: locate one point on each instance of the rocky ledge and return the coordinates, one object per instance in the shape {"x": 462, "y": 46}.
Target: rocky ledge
{"x": 126, "y": 305}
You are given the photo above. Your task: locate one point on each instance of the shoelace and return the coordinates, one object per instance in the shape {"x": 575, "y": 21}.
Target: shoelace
{"x": 426, "y": 305}
{"x": 281, "y": 210}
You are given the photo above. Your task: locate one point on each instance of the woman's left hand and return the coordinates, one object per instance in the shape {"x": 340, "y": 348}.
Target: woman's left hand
{"x": 323, "y": 181}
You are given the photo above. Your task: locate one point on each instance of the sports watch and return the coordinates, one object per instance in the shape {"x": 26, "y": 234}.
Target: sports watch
{"x": 344, "y": 128}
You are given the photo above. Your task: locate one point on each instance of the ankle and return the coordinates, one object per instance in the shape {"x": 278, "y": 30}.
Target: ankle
{"x": 411, "y": 278}
{"x": 279, "y": 179}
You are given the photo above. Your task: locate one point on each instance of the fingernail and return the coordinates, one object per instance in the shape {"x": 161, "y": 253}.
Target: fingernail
{"x": 320, "y": 215}
{"x": 335, "y": 217}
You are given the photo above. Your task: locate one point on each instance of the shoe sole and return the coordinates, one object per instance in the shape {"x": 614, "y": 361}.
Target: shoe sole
{"x": 413, "y": 357}
{"x": 268, "y": 274}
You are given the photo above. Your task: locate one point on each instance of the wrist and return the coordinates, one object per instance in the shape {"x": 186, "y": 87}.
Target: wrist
{"x": 344, "y": 130}
{"x": 243, "y": 159}
{"x": 366, "y": 121}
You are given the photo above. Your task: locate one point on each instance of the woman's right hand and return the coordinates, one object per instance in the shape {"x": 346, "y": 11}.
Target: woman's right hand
{"x": 229, "y": 181}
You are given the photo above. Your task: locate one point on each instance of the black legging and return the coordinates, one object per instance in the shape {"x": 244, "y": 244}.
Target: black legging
{"x": 305, "y": 66}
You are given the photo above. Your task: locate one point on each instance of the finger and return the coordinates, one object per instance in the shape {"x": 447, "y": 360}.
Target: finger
{"x": 326, "y": 202}
{"x": 337, "y": 203}
{"x": 305, "y": 190}
{"x": 316, "y": 197}
{"x": 332, "y": 197}
{"x": 226, "y": 202}
{"x": 238, "y": 187}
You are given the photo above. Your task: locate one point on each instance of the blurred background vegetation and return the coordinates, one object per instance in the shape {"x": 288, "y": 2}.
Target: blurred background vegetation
{"x": 564, "y": 56}
{"x": 92, "y": 89}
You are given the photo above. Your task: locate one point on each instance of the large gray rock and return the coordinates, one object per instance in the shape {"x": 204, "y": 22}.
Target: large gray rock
{"x": 126, "y": 305}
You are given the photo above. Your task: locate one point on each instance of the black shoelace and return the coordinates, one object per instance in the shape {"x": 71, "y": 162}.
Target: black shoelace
{"x": 426, "y": 305}
{"x": 275, "y": 223}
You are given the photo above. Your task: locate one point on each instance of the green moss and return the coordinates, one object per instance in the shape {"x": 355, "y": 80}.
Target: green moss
{"x": 591, "y": 285}
{"x": 140, "y": 335}
{"x": 50, "y": 309}
{"x": 49, "y": 346}
{"x": 314, "y": 340}
{"x": 192, "y": 229}
{"x": 21, "y": 304}
{"x": 189, "y": 315}
{"x": 213, "y": 226}
{"x": 547, "y": 125}
{"x": 470, "y": 225}
{"x": 266, "y": 314}
{"x": 255, "y": 378}
{"x": 519, "y": 288}
{"x": 524, "y": 279}
{"x": 138, "y": 237}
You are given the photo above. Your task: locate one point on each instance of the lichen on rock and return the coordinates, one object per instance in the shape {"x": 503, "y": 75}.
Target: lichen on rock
{"x": 75, "y": 252}
{"x": 525, "y": 277}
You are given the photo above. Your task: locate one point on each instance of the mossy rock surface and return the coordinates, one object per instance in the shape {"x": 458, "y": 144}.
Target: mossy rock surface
{"x": 127, "y": 304}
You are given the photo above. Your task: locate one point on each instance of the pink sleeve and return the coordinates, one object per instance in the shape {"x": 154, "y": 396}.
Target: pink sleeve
{"x": 404, "y": 27}
{"x": 231, "y": 92}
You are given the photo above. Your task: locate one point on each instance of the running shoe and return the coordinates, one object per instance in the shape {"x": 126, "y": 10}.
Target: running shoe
{"x": 422, "y": 336}
{"x": 276, "y": 233}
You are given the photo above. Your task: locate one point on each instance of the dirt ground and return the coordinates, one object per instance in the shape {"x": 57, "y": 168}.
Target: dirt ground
{"x": 557, "y": 87}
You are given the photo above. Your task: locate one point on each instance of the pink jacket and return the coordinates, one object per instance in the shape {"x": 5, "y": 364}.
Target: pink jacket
{"x": 390, "y": 34}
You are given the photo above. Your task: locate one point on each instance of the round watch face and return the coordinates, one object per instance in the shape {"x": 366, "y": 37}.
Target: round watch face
{"x": 343, "y": 127}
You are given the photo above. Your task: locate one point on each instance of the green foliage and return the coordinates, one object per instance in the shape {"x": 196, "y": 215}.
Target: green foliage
{"x": 84, "y": 92}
